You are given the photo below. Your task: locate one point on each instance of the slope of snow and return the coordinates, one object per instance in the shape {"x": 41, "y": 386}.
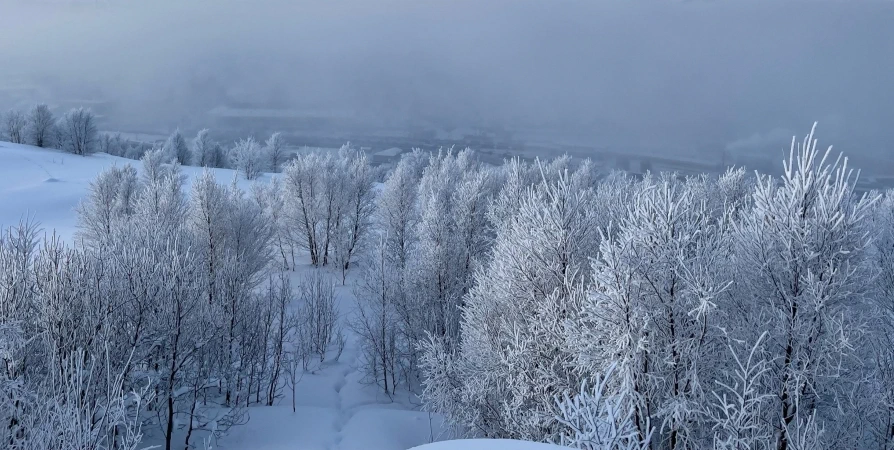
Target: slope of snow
{"x": 46, "y": 185}
{"x": 335, "y": 408}
{"x": 487, "y": 444}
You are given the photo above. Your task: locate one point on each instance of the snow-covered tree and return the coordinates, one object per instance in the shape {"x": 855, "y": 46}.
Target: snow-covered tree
{"x": 353, "y": 229}
{"x": 270, "y": 198}
{"x": 318, "y": 317}
{"x": 41, "y": 124}
{"x": 301, "y": 186}
{"x": 879, "y": 353}
{"x": 275, "y": 151}
{"x": 801, "y": 254}
{"x": 595, "y": 420}
{"x": 209, "y": 206}
{"x": 651, "y": 306}
{"x": 512, "y": 360}
{"x": 247, "y": 157}
{"x": 282, "y": 323}
{"x": 113, "y": 144}
{"x": 176, "y": 148}
{"x": 203, "y": 150}
{"x": 78, "y": 133}
{"x": 451, "y": 232}
{"x": 735, "y": 408}
{"x": 15, "y": 126}
{"x": 155, "y": 165}
{"x": 110, "y": 198}
{"x": 328, "y": 197}
{"x": 387, "y": 336}
{"x": 376, "y": 320}
{"x": 396, "y": 215}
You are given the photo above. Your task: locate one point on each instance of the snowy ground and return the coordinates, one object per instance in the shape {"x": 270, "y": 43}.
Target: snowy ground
{"x": 486, "y": 444}
{"x": 46, "y": 185}
{"x": 335, "y": 408}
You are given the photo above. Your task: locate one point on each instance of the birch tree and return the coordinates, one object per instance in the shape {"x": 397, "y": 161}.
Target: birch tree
{"x": 78, "y": 132}
{"x": 801, "y": 250}
{"x": 274, "y": 149}
{"x": 41, "y": 123}
{"x": 15, "y": 127}
{"x": 176, "y": 148}
{"x": 511, "y": 361}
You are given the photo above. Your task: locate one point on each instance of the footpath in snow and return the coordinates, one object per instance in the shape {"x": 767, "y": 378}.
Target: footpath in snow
{"x": 335, "y": 408}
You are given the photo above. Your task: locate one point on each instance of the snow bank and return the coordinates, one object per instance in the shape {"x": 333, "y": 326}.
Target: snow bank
{"x": 487, "y": 444}
{"x": 46, "y": 185}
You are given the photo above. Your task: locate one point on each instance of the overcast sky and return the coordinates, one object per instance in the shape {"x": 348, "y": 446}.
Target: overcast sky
{"x": 736, "y": 73}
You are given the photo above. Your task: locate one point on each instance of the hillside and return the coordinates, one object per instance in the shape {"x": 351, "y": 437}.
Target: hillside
{"x": 47, "y": 185}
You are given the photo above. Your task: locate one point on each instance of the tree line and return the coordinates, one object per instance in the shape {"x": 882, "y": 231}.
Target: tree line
{"x": 76, "y": 132}
{"x": 548, "y": 302}
{"x": 545, "y": 301}
{"x": 725, "y": 312}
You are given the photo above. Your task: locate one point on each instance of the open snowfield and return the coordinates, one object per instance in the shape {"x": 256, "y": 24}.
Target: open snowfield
{"x": 335, "y": 408}
{"x": 47, "y": 185}
{"x": 486, "y": 444}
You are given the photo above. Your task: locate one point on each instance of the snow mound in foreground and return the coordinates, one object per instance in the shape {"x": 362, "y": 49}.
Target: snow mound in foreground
{"x": 487, "y": 444}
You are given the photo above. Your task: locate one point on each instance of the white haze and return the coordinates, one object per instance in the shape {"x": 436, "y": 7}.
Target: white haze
{"x": 741, "y": 75}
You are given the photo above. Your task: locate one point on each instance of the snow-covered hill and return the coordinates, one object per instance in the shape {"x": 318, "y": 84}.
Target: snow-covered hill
{"x": 47, "y": 185}
{"x": 486, "y": 444}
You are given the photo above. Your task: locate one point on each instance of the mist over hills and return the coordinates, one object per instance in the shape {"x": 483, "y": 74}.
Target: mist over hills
{"x": 667, "y": 77}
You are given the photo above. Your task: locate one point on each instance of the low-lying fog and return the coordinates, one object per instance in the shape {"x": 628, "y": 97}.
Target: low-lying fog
{"x": 740, "y": 75}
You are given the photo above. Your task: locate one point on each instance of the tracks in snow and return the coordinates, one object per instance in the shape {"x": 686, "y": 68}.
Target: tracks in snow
{"x": 344, "y": 413}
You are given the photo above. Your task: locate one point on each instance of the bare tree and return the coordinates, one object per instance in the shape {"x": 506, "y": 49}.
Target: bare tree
{"x": 40, "y": 126}
{"x": 279, "y": 297}
{"x": 275, "y": 149}
{"x": 14, "y": 124}
{"x": 77, "y": 132}
{"x": 318, "y": 317}
{"x": 375, "y": 322}
{"x": 296, "y": 364}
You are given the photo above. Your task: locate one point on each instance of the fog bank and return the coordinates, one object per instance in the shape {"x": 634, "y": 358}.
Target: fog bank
{"x": 741, "y": 75}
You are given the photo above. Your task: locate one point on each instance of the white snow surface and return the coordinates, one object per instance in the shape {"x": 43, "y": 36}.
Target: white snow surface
{"x": 336, "y": 409}
{"x": 487, "y": 444}
{"x": 46, "y": 185}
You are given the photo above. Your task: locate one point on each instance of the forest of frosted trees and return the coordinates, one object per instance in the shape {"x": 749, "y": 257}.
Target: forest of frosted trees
{"x": 543, "y": 301}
